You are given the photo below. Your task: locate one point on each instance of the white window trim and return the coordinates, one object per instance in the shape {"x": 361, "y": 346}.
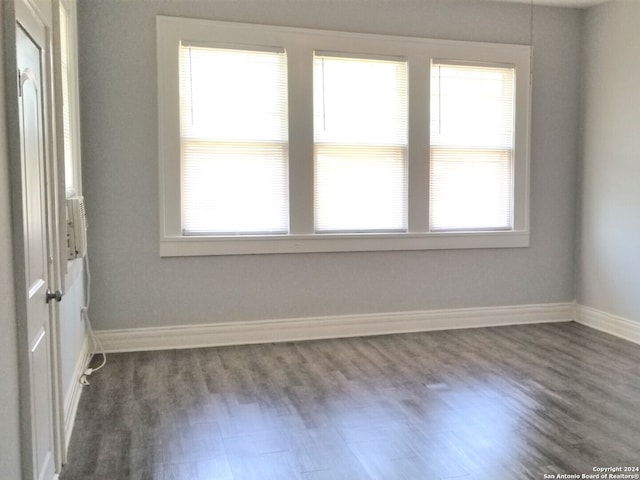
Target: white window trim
{"x": 300, "y": 45}
{"x": 65, "y": 191}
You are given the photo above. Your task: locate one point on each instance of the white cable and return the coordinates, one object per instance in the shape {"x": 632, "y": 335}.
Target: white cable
{"x": 97, "y": 345}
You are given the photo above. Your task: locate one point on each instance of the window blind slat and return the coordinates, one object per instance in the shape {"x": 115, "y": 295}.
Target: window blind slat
{"x": 472, "y": 140}
{"x": 234, "y": 141}
{"x": 360, "y": 129}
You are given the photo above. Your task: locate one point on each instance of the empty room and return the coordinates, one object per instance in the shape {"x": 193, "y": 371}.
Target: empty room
{"x": 319, "y": 239}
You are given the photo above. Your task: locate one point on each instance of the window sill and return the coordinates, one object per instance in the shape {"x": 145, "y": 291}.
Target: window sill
{"x": 251, "y": 245}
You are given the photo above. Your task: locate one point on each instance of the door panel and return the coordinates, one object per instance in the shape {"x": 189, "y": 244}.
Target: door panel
{"x": 41, "y": 406}
{"x": 33, "y": 187}
{"x": 30, "y": 55}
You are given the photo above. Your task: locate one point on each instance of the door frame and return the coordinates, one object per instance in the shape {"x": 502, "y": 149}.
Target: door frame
{"x": 34, "y": 12}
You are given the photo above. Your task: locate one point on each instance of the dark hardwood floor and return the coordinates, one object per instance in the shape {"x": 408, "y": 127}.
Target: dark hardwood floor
{"x": 494, "y": 403}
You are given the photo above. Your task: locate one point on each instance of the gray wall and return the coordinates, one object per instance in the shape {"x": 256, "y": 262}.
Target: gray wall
{"x": 134, "y": 287}
{"x": 609, "y": 259}
{"x": 9, "y": 399}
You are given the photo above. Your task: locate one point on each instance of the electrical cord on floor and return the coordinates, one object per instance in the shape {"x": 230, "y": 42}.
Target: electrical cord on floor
{"x": 98, "y": 349}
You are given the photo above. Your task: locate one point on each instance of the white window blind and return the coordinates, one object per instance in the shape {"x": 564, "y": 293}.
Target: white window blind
{"x": 234, "y": 148}
{"x": 360, "y": 131}
{"x": 472, "y": 146}
{"x": 65, "y": 66}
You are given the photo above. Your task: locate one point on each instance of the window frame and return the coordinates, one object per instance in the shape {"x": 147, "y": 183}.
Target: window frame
{"x": 68, "y": 8}
{"x": 300, "y": 45}
{"x": 66, "y": 11}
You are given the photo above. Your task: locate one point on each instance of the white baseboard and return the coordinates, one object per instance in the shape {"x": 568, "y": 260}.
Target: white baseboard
{"x": 608, "y": 323}
{"x": 72, "y": 395}
{"x": 309, "y": 328}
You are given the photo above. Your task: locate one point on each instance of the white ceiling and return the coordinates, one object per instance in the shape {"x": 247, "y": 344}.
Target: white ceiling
{"x": 560, "y": 3}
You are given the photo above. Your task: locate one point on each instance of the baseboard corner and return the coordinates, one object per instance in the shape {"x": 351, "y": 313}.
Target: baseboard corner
{"x": 608, "y": 323}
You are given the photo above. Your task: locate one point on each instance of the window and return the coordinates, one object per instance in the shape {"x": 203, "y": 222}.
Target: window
{"x": 471, "y": 146}
{"x": 360, "y": 133}
{"x": 234, "y": 141}
{"x": 68, "y": 117}
{"x": 276, "y": 139}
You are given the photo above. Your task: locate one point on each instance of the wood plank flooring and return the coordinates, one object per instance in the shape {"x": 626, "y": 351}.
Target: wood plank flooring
{"x": 494, "y": 403}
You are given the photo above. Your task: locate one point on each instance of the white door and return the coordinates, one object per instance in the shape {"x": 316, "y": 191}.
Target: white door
{"x": 30, "y": 42}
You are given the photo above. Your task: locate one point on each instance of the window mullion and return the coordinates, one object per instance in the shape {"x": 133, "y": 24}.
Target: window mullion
{"x": 300, "y": 72}
{"x": 419, "y": 98}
